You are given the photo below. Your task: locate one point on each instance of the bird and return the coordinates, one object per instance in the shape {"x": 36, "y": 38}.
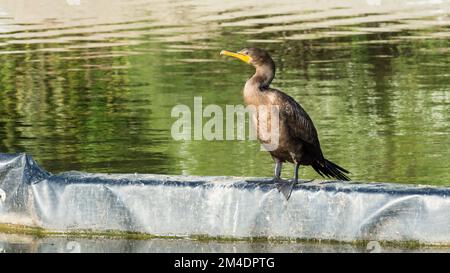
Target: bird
{"x": 298, "y": 141}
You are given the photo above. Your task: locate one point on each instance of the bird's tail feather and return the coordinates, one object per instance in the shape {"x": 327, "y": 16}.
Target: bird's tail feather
{"x": 327, "y": 168}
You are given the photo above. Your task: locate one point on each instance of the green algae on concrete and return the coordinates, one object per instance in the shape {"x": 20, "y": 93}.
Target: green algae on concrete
{"x": 128, "y": 235}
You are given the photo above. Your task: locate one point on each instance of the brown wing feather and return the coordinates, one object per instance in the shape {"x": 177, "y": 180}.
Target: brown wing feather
{"x": 298, "y": 122}
{"x": 301, "y": 128}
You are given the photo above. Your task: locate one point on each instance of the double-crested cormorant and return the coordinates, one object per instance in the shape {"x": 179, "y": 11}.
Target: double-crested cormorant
{"x": 298, "y": 142}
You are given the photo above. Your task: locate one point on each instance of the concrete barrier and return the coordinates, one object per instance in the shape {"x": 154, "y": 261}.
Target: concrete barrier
{"x": 231, "y": 207}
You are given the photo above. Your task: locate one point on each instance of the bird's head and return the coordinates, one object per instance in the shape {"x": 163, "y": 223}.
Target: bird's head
{"x": 254, "y": 56}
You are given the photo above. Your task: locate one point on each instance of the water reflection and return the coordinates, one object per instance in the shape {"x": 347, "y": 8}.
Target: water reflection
{"x": 90, "y": 87}
{"x": 10, "y": 243}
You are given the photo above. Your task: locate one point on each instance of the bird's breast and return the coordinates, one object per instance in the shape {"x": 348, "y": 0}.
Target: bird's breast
{"x": 265, "y": 116}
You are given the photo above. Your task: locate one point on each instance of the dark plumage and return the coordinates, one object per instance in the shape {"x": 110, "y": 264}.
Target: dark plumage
{"x": 298, "y": 139}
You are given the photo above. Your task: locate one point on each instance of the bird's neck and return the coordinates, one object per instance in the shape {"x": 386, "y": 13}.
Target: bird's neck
{"x": 263, "y": 76}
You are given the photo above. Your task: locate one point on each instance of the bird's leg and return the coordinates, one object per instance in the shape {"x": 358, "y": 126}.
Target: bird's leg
{"x": 287, "y": 187}
{"x": 278, "y": 167}
{"x": 277, "y": 175}
{"x": 297, "y": 166}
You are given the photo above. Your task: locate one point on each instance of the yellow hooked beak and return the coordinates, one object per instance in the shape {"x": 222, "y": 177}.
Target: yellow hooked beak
{"x": 240, "y": 56}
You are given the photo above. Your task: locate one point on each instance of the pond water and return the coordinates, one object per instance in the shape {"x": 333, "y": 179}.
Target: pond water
{"x": 90, "y": 85}
{"x": 26, "y": 243}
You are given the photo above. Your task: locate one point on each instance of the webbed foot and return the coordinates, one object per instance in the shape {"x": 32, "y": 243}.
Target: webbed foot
{"x": 286, "y": 188}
